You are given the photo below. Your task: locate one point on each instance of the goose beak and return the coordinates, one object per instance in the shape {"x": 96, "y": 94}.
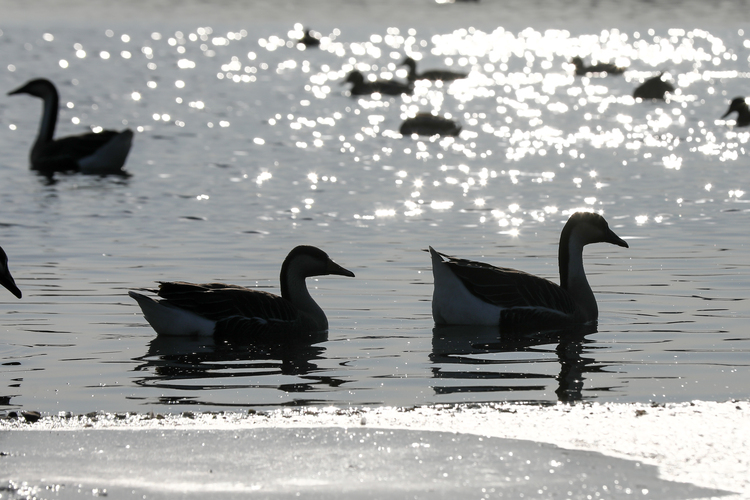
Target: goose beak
{"x": 727, "y": 113}
{"x": 333, "y": 268}
{"x": 616, "y": 240}
{"x": 7, "y": 281}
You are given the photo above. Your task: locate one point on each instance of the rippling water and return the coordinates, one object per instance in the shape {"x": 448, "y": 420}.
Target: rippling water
{"x": 247, "y": 145}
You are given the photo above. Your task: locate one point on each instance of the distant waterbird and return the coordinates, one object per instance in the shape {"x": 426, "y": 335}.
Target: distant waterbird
{"x": 429, "y": 124}
{"x": 739, "y": 104}
{"x": 474, "y": 293}
{"x": 103, "y": 152}
{"x": 582, "y": 69}
{"x": 653, "y": 88}
{"x": 310, "y": 39}
{"x": 235, "y": 312}
{"x": 360, "y": 86}
{"x": 443, "y": 75}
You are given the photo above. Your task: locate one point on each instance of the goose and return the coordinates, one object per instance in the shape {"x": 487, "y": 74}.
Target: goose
{"x": 474, "y": 293}
{"x": 92, "y": 153}
{"x": 310, "y": 39}
{"x": 432, "y": 75}
{"x": 739, "y": 104}
{"x": 236, "y": 312}
{"x": 5, "y": 278}
{"x": 653, "y": 88}
{"x": 388, "y": 87}
{"x": 429, "y": 124}
{"x": 609, "y": 68}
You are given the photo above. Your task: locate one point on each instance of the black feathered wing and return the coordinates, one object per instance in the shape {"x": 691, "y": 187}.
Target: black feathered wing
{"x": 524, "y": 299}
{"x": 238, "y": 311}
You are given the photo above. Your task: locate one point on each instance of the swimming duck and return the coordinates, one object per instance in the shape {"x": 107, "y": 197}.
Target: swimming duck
{"x": 92, "y": 153}
{"x": 5, "y": 278}
{"x": 739, "y": 104}
{"x": 433, "y": 75}
{"x": 653, "y": 88}
{"x": 388, "y": 87}
{"x": 609, "y": 68}
{"x": 235, "y": 311}
{"x": 429, "y": 124}
{"x": 474, "y": 293}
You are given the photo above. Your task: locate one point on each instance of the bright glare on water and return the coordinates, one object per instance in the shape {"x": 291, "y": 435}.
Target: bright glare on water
{"x": 247, "y": 144}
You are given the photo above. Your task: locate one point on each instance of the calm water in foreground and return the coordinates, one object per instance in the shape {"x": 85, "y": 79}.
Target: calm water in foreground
{"x": 247, "y": 146}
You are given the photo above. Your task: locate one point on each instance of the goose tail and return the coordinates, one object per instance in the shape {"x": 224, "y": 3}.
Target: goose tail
{"x": 172, "y": 321}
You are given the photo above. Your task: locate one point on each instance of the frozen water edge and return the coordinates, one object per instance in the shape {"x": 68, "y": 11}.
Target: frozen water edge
{"x": 701, "y": 443}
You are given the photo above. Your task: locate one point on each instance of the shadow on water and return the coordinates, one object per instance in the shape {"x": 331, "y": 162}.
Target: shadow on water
{"x": 200, "y": 366}
{"x": 460, "y": 354}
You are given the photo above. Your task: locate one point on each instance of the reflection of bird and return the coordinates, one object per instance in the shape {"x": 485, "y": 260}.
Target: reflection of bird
{"x": 362, "y": 87}
{"x": 739, "y": 104}
{"x": 434, "y": 74}
{"x": 92, "y": 153}
{"x": 429, "y": 124}
{"x": 310, "y": 39}
{"x": 653, "y": 88}
{"x": 235, "y": 311}
{"x": 609, "y": 68}
{"x": 474, "y": 293}
{"x": 5, "y": 278}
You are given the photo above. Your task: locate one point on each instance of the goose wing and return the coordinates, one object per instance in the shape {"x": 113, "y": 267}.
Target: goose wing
{"x": 79, "y": 146}
{"x": 510, "y": 288}
{"x": 440, "y": 74}
{"x": 233, "y": 307}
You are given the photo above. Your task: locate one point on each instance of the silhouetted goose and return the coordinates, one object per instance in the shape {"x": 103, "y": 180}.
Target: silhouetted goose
{"x": 310, "y": 39}
{"x": 429, "y": 124}
{"x": 739, "y": 104}
{"x": 388, "y": 87}
{"x": 474, "y": 293}
{"x": 432, "y": 75}
{"x": 5, "y": 278}
{"x": 609, "y": 68}
{"x": 235, "y": 311}
{"x": 92, "y": 153}
{"x": 653, "y": 88}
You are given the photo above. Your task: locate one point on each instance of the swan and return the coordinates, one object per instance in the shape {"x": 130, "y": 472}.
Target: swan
{"x": 237, "y": 312}
{"x": 5, "y": 278}
{"x": 387, "y": 87}
{"x": 609, "y": 68}
{"x": 739, "y": 104}
{"x": 432, "y": 75}
{"x": 93, "y": 153}
{"x": 429, "y": 124}
{"x": 474, "y": 293}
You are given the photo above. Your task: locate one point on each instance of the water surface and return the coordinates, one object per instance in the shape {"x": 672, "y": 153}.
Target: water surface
{"x": 247, "y": 146}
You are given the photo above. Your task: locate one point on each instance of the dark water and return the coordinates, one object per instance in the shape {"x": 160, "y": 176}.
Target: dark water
{"x": 247, "y": 146}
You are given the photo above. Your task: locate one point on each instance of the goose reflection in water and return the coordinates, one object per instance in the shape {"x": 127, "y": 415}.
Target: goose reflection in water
{"x": 457, "y": 352}
{"x": 200, "y": 367}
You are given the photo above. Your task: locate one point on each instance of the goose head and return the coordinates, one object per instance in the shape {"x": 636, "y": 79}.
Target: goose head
{"x": 41, "y": 87}
{"x": 583, "y": 228}
{"x": 355, "y": 77}
{"x": 738, "y": 104}
{"x": 5, "y": 278}
{"x": 307, "y": 261}
{"x": 411, "y": 63}
{"x": 588, "y": 227}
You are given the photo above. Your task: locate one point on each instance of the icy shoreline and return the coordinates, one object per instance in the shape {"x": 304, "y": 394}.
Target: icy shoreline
{"x": 703, "y": 443}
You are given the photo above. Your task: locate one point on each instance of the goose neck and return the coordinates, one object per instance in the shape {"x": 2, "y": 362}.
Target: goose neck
{"x": 49, "y": 118}
{"x": 294, "y": 289}
{"x": 573, "y": 277}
